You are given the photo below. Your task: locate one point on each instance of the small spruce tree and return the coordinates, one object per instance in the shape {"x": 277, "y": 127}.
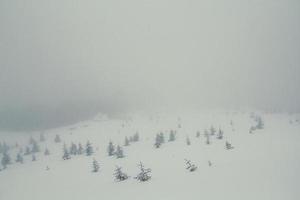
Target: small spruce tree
{"x": 126, "y": 143}
{"x": 19, "y": 158}
{"x": 89, "y": 149}
{"x": 5, "y": 159}
{"x": 119, "y": 175}
{"x": 66, "y": 154}
{"x": 172, "y": 136}
{"x": 228, "y": 146}
{"x": 188, "y": 141}
{"x": 80, "y": 149}
{"x": 111, "y": 149}
{"x": 95, "y": 165}
{"x": 220, "y": 134}
{"x": 144, "y": 174}
{"x": 57, "y": 139}
{"x": 191, "y": 167}
{"x": 119, "y": 152}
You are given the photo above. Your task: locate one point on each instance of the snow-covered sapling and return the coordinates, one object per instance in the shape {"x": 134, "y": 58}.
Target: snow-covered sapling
{"x": 33, "y": 157}
{"x": 119, "y": 175}
{"x": 111, "y": 149}
{"x": 172, "y": 136}
{"x": 260, "y": 123}
{"x": 27, "y": 151}
{"x": 198, "y": 134}
{"x": 158, "y": 142}
{"x": 220, "y": 134}
{"x": 19, "y": 158}
{"x": 79, "y": 149}
{"x": 95, "y": 166}
{"x": 191, "y": 167}
{"x": 57, "y": 139}
{"x": 35, "y": 147}
{"x": 144, "y": 174}
{"x": 73, "y": 149}
{"x": 212, "y": 130}
{"x": 136, "y": 137}
{"x": 207, "y": 136}
{"x": 66, "y": 155}
{"x": 228, "y": 146}
{"x": 252, "y": 129}
{"x": 209, "y": 163}
{"x": 89, "y": 149}
{"x": 126, "y": 143}
{"x": 47, "y": 152}
{"x": 5, "y": 159}
{"x": 188, "y": 141}
{"x": 162, "y": 137}
{"x": 31, "y": 140}
{"x": 119, "y": 152}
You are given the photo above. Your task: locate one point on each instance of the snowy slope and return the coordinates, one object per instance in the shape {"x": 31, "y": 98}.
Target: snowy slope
{"x": 263, "y": 165}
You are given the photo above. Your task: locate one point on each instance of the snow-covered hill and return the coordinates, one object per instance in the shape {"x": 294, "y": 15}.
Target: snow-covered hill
{"x": 262, "y": 165}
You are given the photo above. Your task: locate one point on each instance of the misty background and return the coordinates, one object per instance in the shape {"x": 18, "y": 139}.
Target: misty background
{"x": 64, "y": 61}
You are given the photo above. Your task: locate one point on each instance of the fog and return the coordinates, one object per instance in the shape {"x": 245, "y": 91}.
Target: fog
{"x": 64, "y": 61}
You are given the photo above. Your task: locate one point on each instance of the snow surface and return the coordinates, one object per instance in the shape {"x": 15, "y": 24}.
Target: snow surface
{"x": 263, "y": 165}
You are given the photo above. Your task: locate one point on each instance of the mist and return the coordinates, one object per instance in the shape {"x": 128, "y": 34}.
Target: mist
{"x": 64, "y": 61}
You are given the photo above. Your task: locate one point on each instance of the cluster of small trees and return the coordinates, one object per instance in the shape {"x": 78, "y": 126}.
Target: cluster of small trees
{"x": 131, "y": 139}
{"x": 77, "y": 150}
{"x": 143, "y": 175}
{"x": 117, "y": 151}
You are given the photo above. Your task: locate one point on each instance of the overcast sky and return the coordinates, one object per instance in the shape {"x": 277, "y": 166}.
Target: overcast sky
{"x": 64, "y": 60}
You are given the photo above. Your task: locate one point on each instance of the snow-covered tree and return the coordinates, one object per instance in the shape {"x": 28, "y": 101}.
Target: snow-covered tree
{"x": 73, "y": 149}
{"x": 19, "y": 158}
{"x": 198, "y": 134}
{"x": 42, "y": 137}
{"x": 95, "y": 166}
{"x": 57, "y": 139}
{"x": 33, "y": 157}
{"x": 157, "y": 142}
{"x": 131, "y": 139}
{"x": 27, "y": 150}
{"x": 172, "y": 136}
{"x": 188, "y": 141}
{"x": 119, "y": 152}
{"x": 191, "y": 167}
{"x": 228, "y": 146}
{"x": 31, "y": 140}
{"x": 209, "y": 163}
{"x": 207, "y": 136}
{"x": 220, "y": 134}
{"x": 80, "y": 149}
{"x": 260, "y": 123}
{"x": 162, "y": 137}
{"x": 89, "y": 149}
{"x": 5, "y": 159}
{"x": 111, "y": 148}
{"x": 47, "y": 152}
{"x": 35, "y": 147}
{"x": 252, "y": 129}
{"x": 212, "y": 130}
{"x": 119, "y": 175}
{"x": 66, "y": 154}
{"x": 126, "y": 143}
{"x": 4, "y": 147}
{"x": 179, "y": 125}
{"x": 136, "y": 137}
{"x": 144, "y": 174}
